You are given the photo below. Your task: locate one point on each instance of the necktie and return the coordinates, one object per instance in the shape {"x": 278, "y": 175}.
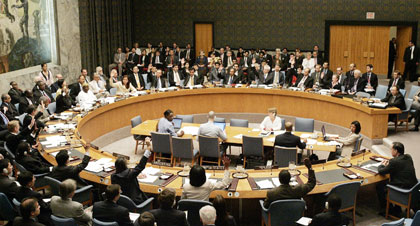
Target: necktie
{"x": 395, "y": 82}
{"x": 5, "y": 119}
{"x": 230, "y": 61}
{"x": 276, "y": 78}
{"x": 159, "y": 84}
{"x": 44, "y": 94}
{"x": 29, "y": 101}
{"x": 176, "y": 78}
{"x": 246, "y": 61}
{"x": 230, "y": 80}
{"x": 369, "y": 78}
{"x": 192, "y": 80}
{"x": 265, "y": 77}
{"x": 137, "y": 80}
{"x": 302, "y": 82}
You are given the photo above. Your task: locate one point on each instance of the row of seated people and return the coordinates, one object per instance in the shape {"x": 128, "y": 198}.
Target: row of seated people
{"x": 124, "y": 180}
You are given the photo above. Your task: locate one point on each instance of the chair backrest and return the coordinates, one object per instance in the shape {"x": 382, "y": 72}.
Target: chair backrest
{"x": 286, "y": 212}
{"x": 54, "y": 185}
{"x": 19, "y": 166}
{"x": 16, "y": 203}
{"x": 252, "y": 146}
{"x": 127, "y": 202}
{"x": 21, "y": 118}
{"x": 218, "y": 119}
{"x": 358, "y": 144}
{"x": 363, "y": 94}
{"x": 136, "y": 121}
{"x": 209, "y": 146}
{"x": 399, "y": 222}
{"x": 239, "y": 122}
{"x": 161, "y": 143}
{"x": 61, "y": 221}
{"x": 193, "y": 207}
{"x": 182, "y": 148}
{"x": 347, "y": 192}
{"x": 283, "y": 155}
{"x": 416, "y": 218}
{"x": 7, "y": 212}
{"x": 97, "y": 222}
{"x": 413, "y": 91}
{"x": 8, "y": 150}
{"x": 17, "y": 107}
{"x": 52, "y": 107}
{"x": 186, "y": 118}
{"x": 113, "y": 91}
{"x": 283, "y": 123}
{"x": 408, "y": 103}
{"x": 304, "y": 125}
{"x": 381, "y": 91}
{"x": 403, "y": 92}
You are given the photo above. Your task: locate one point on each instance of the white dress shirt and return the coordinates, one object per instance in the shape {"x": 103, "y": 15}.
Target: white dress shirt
{"x": 268, "y": 124}
{"x": 86, "y": 100}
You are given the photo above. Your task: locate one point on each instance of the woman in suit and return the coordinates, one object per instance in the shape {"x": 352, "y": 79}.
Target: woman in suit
{"x": 123, "y": 87}
{"x": 199, "y": 187}
{"x": 223, "y": 218}
{"x": 347, "y": 142}
{"x": 334, "y": 83}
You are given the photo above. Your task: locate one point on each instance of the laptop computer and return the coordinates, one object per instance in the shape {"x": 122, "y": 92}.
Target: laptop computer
{"x": 177, "y": 123}
{"x": 221, "y": 125}
{"x": 324, "y": 134}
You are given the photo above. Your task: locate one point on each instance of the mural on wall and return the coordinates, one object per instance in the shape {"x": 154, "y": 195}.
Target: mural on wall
{"x": 25, "y": 33}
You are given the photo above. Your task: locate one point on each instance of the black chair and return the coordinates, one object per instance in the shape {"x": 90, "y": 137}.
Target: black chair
{"x": 283, "y": 155}
{"x": 162, "y": 144}
{"x": 193, "y": 207}
{"x": 182, "y": 148}
{"x": 209, "y": 147}
{"x": 252, "y": 146}
{"x": 135, "y": 122}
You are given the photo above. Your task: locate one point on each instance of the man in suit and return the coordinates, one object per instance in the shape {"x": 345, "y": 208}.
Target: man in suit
{"x": 63, "y": 206}
{"x": 394, "y": 99}
{"x": 277, "y": 75}
{"x": 109, "y": 210}
{"x": 288, "y": 139}
{"x": 411, "y": 60}
{"x": 175, "y": 76}
{"x": 29, "y": 209}
{"x": 246, "y": 60}
{"x": 228, "y": 60}
{"x": 267, "y": 57}
{"x": 189, "y": 54}
{"x": 216, "y": 73}
{"x": 255, "y": 72}
{"x": 350, "y": 72}
{"x": 7, "y": 185}
{"x": 41, "y": 90}
{"x": 266, "y": 78}
{"x": 317, "y": 58}
{"x": 285, "y": 191}
{"x": 222, "y": 55}
{"x": 192, "y": 79}
{"x": 304, "y": 81}
{"x": 142, "y": 61}
{"x": 326, "y": 75}
{"x": 131, "y": 59}
{"x": 401, "y": 171}
{"x": 316, "y": 76}
{"x": 396, "y": 81}
{"x": 136, "y": 79}
{"x": 158, "y": 60}
{"x": 208, "y": 215}
{"x": 14, "y": 137}
{"x": 331, "y": 217}
{"x": 63, "y": 171}
{"x": 357, "y": 83}
{"x": 8, "y": 108}
{"x": 172, "y": 59}
{"x": 27, "y": 181}
{"x": 55, "y": 86}
{"x": 392, "y": 56}
{"x": 231, "y": 78}
{"x": 119, "y": 61}
{"x": 75, "y": 88}
{"x": 31, "y": 160}
{"x": 342, "y": 78}
{"x": 158, "y": 80}
{"x": 371, "y": 78}
{"x": 15, "y": 93}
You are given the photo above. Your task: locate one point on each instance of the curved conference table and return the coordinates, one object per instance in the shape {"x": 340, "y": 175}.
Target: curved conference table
{"x": 223, "y": 100}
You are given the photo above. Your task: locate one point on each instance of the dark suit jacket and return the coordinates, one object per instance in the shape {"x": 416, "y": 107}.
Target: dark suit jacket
{"x": 133, "y": 82}
{"x": 407, "y": 55}
{"x": 19, "y": 221}
{"x": 286, "y": 191}
{"x": 170, "y": 217}
{"x": 8, "y": 187}
{"x": 74, "y": 90}
{"x": 327, "y": 77}
{"x": 281, "y": 77}
{"x": 62, "y": 173}
{"x": 63, "y": 103}
{"x": 373, "y": 79}
{"x": 54, "y": 87}
{"x": 361, "y": 84}
{"x": 287, "y": 139}
{"x": 235, "y": 79}
{"x": 175, "y": 60}
{"x": 155, "y": 82}
{"x": 187, "y": 80}
{"x": 309, "y": 82}
{"x": 248, "y": 61}
{"x": 330, "y": 86}
{"x": 33, "y": 164}
{"x": 12, "y": 140}
{"x": 145, "y": 61}
{"x": 400, "y": 83}
{"x": 24, "y": 103}
{"x": 127, "y": 179}
{"x": 109, "y": 211}
{"x": 268, "y": 80}
{"x": 15, "y": 95}
{"x": 192, "y": 54}
{"x": 225, "y": 60}
{"x": 398, "y": 102}
{"x": 11, "y": 112}
{"x": 161, "y": 61}
{"x": 392, "y": 51}
{"x": 171, "y": 77}
{"x": 329, "y": 218}
{"x": 38, "y": 94}
{"x": 401, "y": 170}
{"x": 24, "y": 192}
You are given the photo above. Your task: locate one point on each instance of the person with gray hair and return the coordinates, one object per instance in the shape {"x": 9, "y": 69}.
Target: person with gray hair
{"x": 208, "y": 215}
{"x": 43, "y": 107}
{"x": 357, "y": 83}
{"x": 64, "y": 206}
{"x": 266, "y": 77}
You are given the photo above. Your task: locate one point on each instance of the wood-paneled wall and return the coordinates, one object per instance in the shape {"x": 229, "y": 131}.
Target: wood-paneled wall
{"x": 203, "y": 38}
{"x": 403, "y": 37}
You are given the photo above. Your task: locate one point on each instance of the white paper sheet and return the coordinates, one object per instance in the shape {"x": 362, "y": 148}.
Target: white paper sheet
{"x": 279, "y": 132}
{"x": 276, "y": 181}
{"x": 150, "y": 171}
{"x": 265, "y": 184}
{"x": 311, "y": 141}
{"x": 134, "y": 216}
{"x": 193, "y": 130}
{"x": 239, "y": 136}
{"x": 148, "y": 179}
{"x": 304, "y": 221}
{"x": 306, "y": 135}
{"x": 271, "y": 139}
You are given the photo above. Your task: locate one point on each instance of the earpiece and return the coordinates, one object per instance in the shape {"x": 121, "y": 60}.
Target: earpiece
{"x": 5, "y": 171}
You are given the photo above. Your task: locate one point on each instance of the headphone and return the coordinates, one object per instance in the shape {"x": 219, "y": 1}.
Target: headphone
{"x": 5, "y": 171}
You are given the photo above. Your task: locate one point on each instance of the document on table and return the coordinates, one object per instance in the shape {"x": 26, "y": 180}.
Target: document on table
{"x": 311, "y": 141}
{"x": 150, "y": 171}
{"x": 304, "y": 221}
{"x": 276, "y": 181}
{"x": 239, "y": 136}
{"x": 306, "y": 135}
{"x": 265, "y": 184}
{"x": 148, "y": 179}
{"x": 193, "y": 130}
{"x": 271, "y": 139}
{"x": 54, "y": 141}
{"x": 279, "y": 132}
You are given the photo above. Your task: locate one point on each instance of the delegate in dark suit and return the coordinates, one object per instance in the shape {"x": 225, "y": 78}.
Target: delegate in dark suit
{"x": 64, "y": 103}
{"x": 401, "y": 171}
{"x": 411, "y": 60}
{"x": 395, "y": 101}
{"x": 127, "y": 179}
{"x": 155, "y": 82}
{"x": 159, "y": 64}
{"x": 329, "y": 218}
{"x": 13, "y": 140}
{"x": 25, "y": 192}
{"x": 334, "y": 86}
{"x": 24, "y": 103}
{"x": 15, "y": 94}
{"x": 133, "y": 81}
{"x": 19, "y": 221}
{"x": 266, "y": 79}
{"x": 11, "y": 112}
{"x": 308, "y": 83}
{"x": 171, "y": 77}
{"x": 39, "y": 93}
{"x": 327, "y": 77}
{"x": 75, "y": 89}
{"x": 399, "y": 83}
{"x": 287, "y": 139}
{"x": 168, "y": 217}
{"x": 109, "y": 211}
{"x": 371, "y": 79}
{"x": 62, "y": 173}
{"x": 33, "y": 164}
{"x": 8, "y": 187}
{"x": 391, "y": 57}
{"x": 233, "y": 79}
{"x": 187, "y": 80}
{"x": 356, "y": 85}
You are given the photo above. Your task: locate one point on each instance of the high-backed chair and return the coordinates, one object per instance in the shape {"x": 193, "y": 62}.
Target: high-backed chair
{"x": 218, "y": 119}
{"x": 135, "y": 122}
{"x": 61, "y": 221}
{"x": 16, "y": 203}
{"x": 363, "y": 94}
{"x": 148, "y": 84}
{"x": 403, "y": 92}
{"x": 162, "y": 144}
{"x": 7, "y": 212}
{"x": 209, "y": 148}
{"x": 283, "y": 155}
{"x": 283, "y": 123}
{"x": 82, "y": 195}
{"x": 252, "y": 146}
{"x": 348, "y": 193}
{"x": 193, "y": 207}
{"x": 239, "y": 122}
{"x": 282, "y": 212}
{"x": 52, "y": 107}
{"x": 8, "y": 150}
{"x": 186, "y": 118}
{"x": 96, "y": 222}
{"x": 406, "y": 198}
{"x": 414, "y": 221}
{"x": 131, "y": 205}
{"x": 381, "y": 91}
{"x": 358, "y": 144}
{"x": 40, "y": 183}
{"x": 404, "y": 115}
{"x": 413, "y": 91}
{"x": 304, "y": 125}
{"x": 182, "y": 148}
{"x": 113, "y": 91}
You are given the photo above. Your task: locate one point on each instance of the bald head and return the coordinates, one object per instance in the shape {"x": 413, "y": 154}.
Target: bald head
{"x": 288, "y": 126}
{"x": 211, "y": 115}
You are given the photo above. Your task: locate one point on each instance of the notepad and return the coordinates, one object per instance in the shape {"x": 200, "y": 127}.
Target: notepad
{"x": 265, "y": 184}
{"x": 150, "y": 171}
{"x": 148, "y": 179}
{"x": 193, "y": 130}
{"x": 304, "y": 221}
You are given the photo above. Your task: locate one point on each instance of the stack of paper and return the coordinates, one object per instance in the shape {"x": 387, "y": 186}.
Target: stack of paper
{"x": 306, "y": 135}
{"x": 276, "y": 181}
{"x": 193, "y": 130}
{"x": 271, "y": 139}
{"x": 134, "y": 216}
{"x": 265, "y": 184}
{"x": 148, "y": 179}
{"x": 150, "y": 171}
{"x": 333, "y": 143}
{"x": 304, "y": 221}
{"x": 54, "y": 141}
{"x": 279, "y": 132}
{"x": 311, "y": 141}
{"x": 103, "y": 164}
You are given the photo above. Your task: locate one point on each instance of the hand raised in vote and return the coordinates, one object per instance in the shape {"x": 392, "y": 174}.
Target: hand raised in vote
{"x": 385, "y": 162}
{"x": 308, "y": 163}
